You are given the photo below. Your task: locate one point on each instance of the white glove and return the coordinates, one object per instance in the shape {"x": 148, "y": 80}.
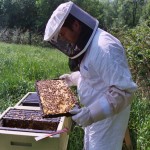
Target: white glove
{"x": 71, "y": 79}
{"x": 66, "y": 77}
{"x": 97, "y": 111}
{"x": 82, "y": 116}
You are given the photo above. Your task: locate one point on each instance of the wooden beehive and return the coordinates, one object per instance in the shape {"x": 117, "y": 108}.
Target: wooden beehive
{"x": 14, "y": 139}
{"x": 24, "y": 139}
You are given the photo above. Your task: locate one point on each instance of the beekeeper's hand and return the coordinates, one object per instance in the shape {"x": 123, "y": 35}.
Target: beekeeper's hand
{"x": 82, "y": 116}
{"x": 71, "y": 79}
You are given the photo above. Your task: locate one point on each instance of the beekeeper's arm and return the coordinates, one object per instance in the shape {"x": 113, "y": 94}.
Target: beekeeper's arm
{"x": 72, "y": 79}
{"x": 117, "y": 97}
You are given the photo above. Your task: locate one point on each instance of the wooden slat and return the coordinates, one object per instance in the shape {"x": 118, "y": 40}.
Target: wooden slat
{"x": 26, "y": 130}
{"x": 127, "y": 140}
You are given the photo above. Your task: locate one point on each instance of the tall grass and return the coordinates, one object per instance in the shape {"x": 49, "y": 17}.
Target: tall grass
{"x": 22, "y": 65}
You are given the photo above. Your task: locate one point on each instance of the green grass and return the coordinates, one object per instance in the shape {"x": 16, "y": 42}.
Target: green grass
{"x": 139, "y": 123}
{"x": 22, "y": 65}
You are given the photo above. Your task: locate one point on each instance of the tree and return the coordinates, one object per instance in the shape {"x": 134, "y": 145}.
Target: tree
{"x": 19, "y": 13}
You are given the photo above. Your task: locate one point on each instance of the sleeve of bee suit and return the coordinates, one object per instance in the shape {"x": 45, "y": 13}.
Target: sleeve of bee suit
{"x": 111, "y": 65}
{"x": 72, "y": 79}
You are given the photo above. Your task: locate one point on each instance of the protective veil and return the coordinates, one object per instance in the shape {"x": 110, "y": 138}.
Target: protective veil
{"x": 56, "y": 21}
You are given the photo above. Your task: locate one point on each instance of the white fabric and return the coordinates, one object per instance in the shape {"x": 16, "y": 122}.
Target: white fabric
{"x": 100, "y": 109}
{"x": 82, "y": 116}
{"x": 107, "y": 134}
{"x": 56, "y": 21}
{"x": 104, "y": 71}
{"x": 105, "y": 87}
{"x": 71, "y": 79}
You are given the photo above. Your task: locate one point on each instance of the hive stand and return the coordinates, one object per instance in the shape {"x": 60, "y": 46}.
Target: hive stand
{"x": 127, "y": 140}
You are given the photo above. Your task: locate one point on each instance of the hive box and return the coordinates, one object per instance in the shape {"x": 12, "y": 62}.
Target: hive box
{"x": 30, "y": 99}
{"x": 25, "y": 140}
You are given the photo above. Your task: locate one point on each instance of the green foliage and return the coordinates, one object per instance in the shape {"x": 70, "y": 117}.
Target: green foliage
{"x": 24, "y": 21}
{"x": 139, "y": 123}
{"x": 34, "y": 14}
{"x": 76, "y": 139}
{"x": 18, "y": 13}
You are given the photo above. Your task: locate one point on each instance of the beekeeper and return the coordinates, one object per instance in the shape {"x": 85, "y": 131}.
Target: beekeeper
{"x": 101, "y": 74}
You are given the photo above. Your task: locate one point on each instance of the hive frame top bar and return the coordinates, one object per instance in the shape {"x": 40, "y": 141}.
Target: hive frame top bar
{"x": 27, "y": 107}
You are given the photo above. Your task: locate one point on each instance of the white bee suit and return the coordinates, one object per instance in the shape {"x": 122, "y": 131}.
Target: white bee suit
{"x": 105, "y": 88}
{"x": 104, "y": 82}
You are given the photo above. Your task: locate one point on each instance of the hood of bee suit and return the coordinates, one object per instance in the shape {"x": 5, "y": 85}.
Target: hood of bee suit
{"x": 56, "y": 21}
